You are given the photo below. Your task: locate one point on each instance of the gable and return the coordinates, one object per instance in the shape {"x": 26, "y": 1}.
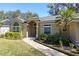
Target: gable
{"x": 8, "y": 22}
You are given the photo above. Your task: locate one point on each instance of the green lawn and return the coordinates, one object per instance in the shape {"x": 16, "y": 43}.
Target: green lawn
{"x": 17, "y": 48}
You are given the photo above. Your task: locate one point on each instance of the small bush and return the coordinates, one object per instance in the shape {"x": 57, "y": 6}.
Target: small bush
{"x": 50, "y": 39}
{"x": 42, "y": 37}
{"x": 13, "y": 35}
{"x": 54, "y": 39}
{"x": 66, "y": 41}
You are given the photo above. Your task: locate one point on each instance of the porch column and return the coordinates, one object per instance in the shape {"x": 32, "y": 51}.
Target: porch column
{"x": 37, "y": 30}
{"x": 26, "y": 30}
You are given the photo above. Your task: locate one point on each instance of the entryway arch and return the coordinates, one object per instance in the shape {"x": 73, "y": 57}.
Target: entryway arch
{"x": 32, "y": 29}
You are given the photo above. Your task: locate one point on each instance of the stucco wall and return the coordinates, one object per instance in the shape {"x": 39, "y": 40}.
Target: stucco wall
{"x": 72, "y": 30}
{"x": 24, "y": 29}
{"x": 77, "y": 31}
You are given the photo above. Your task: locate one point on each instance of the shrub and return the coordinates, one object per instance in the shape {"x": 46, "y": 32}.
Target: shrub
{"x": 13, "y": 35}
{"x": 54, "y": 39}
{"x": 57, "y": 38}
{"x": 50, "y": 39}
{"x": 61, "y": 44}
{"x": 65, "y": 41}
{"x": 42, "y": 37}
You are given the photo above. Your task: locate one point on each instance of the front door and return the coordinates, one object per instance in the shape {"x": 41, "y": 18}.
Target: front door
{"x": 32, "y": 29}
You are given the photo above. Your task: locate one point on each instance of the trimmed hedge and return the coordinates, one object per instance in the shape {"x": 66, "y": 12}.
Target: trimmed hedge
{"x": 54, "y": 39}
{"x": 13, "y": 35}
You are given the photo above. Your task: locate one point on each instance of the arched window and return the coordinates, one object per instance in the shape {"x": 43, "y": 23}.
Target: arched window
{"x": 16, "y": 24}
{"x": 16, "y": 27}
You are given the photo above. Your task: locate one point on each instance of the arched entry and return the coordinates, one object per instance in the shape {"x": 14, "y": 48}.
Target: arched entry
{"x": 32, "y": 29}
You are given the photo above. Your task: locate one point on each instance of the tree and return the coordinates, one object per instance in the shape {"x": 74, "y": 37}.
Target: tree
{"x": 2, "y": 14}
{"x": 13, "y": 14}
{"x": 54, "y": 8}
{"x": 31, "y": 15}
{"x": 16, "y": 13}
{"x": 63, "y": 22}
{"x": 66, "y": 17}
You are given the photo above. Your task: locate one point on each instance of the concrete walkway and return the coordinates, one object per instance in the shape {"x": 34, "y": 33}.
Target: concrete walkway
{"x": 46, "y": 50}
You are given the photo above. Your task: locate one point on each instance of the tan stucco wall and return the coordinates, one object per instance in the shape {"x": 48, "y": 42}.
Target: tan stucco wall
{"x": 24, "y": 29}
{"x": 74, "y": 31}
{"x": 77, "y": 31}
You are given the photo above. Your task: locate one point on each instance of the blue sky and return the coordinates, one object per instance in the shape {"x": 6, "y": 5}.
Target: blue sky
{"x": 39, "y": 8}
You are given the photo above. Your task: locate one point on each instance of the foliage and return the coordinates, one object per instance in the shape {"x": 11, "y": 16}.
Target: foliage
{"x": 64, "y": 21}
{"x": 54, "y": 8}
{"x": 71, "y": 45}
{"x": 61, "y": 44}
{"x": 50, "y": 39}
{"x": 43, "y": 37}
{"x": 31, "y": 15}
{"x": 66, "y": 17}
{"x": 54, "y": 39}
{"x": 16, "y": 13}
{"x": 13, "y": 35}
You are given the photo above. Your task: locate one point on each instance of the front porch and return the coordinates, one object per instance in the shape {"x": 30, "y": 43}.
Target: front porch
{"x": 31, "y": 29}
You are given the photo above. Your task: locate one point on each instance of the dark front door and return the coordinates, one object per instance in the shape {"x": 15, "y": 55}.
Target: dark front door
{"x": 32, "y": 29}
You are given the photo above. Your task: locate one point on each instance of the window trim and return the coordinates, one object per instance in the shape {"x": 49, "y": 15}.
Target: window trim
{"x": 47, "y": 26}
{"x": 13, "y": 26}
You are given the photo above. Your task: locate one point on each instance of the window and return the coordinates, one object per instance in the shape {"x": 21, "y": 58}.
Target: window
{"x": 16, "y": 27}
{"x": 47, "y": 29}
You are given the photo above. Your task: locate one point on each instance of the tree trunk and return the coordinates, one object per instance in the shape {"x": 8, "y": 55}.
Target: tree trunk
{"x": 61, "y": 44}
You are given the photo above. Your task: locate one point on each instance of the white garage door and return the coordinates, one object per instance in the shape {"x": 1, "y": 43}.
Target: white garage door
{"x": 3, "y": 30}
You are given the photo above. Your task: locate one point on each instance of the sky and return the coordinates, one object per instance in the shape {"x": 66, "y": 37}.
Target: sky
{"x": 39, "y": 8}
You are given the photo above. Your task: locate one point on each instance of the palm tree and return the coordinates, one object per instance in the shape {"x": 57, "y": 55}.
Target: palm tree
{"x": 66, "y": 16}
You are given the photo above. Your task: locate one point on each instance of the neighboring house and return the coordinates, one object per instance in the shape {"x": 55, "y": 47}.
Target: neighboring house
{"x": 33, "y": 27}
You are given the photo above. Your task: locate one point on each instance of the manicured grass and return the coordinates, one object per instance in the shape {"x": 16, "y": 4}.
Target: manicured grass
{"x": 17, "y": 48}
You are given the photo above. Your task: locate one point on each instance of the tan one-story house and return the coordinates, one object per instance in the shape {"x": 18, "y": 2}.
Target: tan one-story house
{"x": 32, "y": 27}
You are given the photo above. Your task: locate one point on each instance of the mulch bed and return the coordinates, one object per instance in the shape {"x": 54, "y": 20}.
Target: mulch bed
{"x": 66, "y": 49}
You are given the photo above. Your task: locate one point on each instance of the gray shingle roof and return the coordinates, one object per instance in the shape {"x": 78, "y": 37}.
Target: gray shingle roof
{"x": 21, "y": 19}
{"x": 9, "y": 21}
{"x": 6, "y": 22}
{"x": 49, "y": 18}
